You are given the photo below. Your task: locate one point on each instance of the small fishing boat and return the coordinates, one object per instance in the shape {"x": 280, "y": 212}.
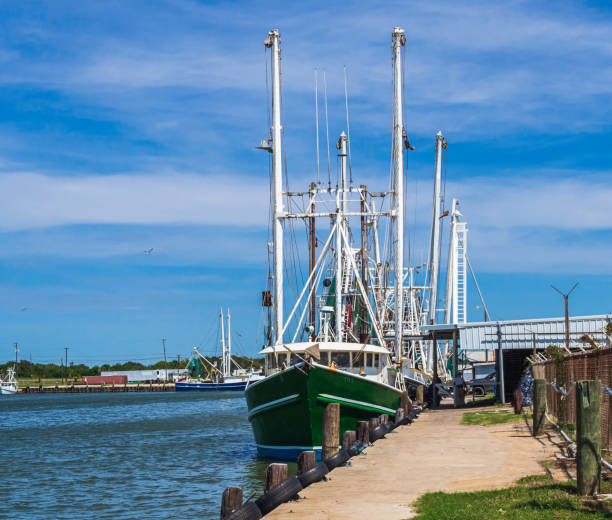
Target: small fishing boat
{"x": 204, "y": 376}
{"x": 8, "y": 385}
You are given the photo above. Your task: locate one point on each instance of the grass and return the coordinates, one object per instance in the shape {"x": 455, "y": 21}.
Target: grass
{"x": 487, "y": 417}
{"x": 26, "y": 381}
{"x": 536, "y": 497}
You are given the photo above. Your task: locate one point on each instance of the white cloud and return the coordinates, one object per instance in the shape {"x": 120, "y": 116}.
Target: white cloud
{"x": 32, "y": 200}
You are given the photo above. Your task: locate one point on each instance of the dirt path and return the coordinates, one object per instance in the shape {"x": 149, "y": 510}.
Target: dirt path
{"x": 436, "y": 453}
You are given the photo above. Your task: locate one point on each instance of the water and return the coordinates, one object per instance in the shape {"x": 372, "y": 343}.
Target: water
{"x": 124, "y": 455}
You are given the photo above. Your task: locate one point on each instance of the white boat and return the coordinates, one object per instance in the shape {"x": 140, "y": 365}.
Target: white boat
{"x": 8, "y": 385}
{"x": 209, "y": 378}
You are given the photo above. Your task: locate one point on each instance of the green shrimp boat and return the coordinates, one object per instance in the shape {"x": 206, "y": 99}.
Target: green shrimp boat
{"x": 286, "y": 408}
{"x": 348, "y": 319}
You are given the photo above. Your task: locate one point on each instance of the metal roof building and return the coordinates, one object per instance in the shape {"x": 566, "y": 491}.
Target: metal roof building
{"x": 519, "y": 334}
{"x": 513, "y": 340}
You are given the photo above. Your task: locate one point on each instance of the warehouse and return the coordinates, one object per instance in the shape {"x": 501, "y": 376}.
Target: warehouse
{"x": 509, "y": 343}
{"x": 157, "y": 375}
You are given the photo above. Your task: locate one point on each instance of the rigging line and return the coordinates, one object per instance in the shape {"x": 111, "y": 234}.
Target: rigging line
{"x": 282, "y": 110}
{"x": 316, "y": 76}
{"x": 348, "y": 128}
{"x": 445, "y": 150}
{"x": 477, "y": 286}
{"x": 267, "y": 87}
{"x": 327, "y": 131}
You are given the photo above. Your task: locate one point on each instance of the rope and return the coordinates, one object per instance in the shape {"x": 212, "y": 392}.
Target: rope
{"x": 327, "y": 132}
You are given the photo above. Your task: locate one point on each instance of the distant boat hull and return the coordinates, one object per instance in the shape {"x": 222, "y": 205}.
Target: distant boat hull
{"x": 193, "y": 386}
{"x": 8, "y": 390}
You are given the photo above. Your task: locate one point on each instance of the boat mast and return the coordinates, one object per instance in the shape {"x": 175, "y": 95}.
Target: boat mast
{"x": 340, "y": 210}
{"x": 222, "y": 342}
{"x": 399, "y": 40}
{"x": 273, "y": 42}
{"x": 227, "y": 357}
{"x": 434, "y": 253}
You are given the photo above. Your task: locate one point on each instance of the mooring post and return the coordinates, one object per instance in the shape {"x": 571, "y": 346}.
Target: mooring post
{"x": 405, "y": 402}
{"x": 539, "y": 405}
{"x": 399, "y": 415}
{"x": 231, "y": 500}
{"x": 420, "y": 393}
{"x": 331, "y": 430}
{"x": 588, "y": 430}
{"x": 346, "y": 440}
{"x": 384, "y": 418}
{"x": 306, "y": 461}
{"x": 363, "y": 432}
{"x": 374, "y": 422}
{"x": 275, "y": 474}
{"x": 517, "y": 402}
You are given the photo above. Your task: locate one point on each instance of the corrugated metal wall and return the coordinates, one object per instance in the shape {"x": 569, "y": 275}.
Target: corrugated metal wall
{"x": 518, "y": 334}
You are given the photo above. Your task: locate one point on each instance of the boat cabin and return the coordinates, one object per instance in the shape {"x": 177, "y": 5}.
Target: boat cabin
{"x": 356, "y": 358}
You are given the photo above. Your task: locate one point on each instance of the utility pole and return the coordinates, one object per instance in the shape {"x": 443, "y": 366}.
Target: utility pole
{"x": 566, "y": 303}
{"x": 165, "y": 360}
{"x": 66, "y": 349}
{"x": 16, "y": 360}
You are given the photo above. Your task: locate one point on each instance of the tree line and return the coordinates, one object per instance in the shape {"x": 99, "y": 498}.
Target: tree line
{"x": 26, "y": 369}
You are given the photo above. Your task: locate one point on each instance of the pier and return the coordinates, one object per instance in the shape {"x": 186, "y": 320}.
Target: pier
{"x": 435, "y": 453}
{"x": 97, "y": 389}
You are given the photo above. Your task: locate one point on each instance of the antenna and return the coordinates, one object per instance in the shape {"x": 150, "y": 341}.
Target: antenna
{"x": 566, "y": 304}
{"x": 66, "y": 349}
{"x": 327, "y": 132}
{"x": 16, "y": 352}
{"x": 316, "y": 78}
{"x": 348, "y": 129}
{"x": 165, "y": 359}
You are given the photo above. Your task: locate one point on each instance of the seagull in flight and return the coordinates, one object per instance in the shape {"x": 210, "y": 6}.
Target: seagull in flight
{"x": 148, "y": 252}
{"x": 24, "y": 309}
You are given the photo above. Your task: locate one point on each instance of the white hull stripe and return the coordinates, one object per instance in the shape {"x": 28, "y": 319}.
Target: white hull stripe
{"x": 352, "y": 402}
{"x": 273, "y": 404}
{"x": 303, "y": 448}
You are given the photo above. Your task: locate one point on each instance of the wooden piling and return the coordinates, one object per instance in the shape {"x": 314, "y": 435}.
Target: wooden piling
{"x": 384, "y": 418}
{"x": 459, "y": 397}
{"x": 539, "y": 405}
{"x": 374, "y": 422}
{"x": 275, "y": 474}
{"x": 588, "y": 442}
{"x": 405, "y": 402}
{"x": 399, "y": 415}
{"x": 352, "y": 436}
{"x": 348, "y": 439}
{"x": 517, "y": 402}
{"x": 363, "y": 432}
{"x": 231, "y": 500}
{"x": 306, "y": 461}
{"x": 420, "y": 392}
{"x": 331, "y": 430}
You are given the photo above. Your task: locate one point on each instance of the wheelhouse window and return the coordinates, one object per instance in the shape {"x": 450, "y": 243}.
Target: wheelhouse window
{"x": 324, "y": 358}
{"x": 368, "y": 360}
{"x": 341, "y": 359}
{"x": 294, "y": 359}
{"x": 376, "y": 360}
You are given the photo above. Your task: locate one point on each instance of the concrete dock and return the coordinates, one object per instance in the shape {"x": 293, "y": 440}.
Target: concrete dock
{"x": 436, "y": 453}
{"x": 98, "y": 389}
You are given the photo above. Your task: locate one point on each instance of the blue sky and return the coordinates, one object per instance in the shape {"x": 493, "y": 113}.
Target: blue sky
{"x": 130, "y": 125}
